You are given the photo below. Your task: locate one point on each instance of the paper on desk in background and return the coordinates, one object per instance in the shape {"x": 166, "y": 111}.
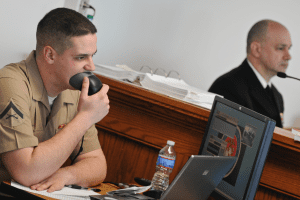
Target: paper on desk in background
{"x": 163, "y": 85}
{"x": 119, "y": 73}
{"x": 66, "y": 193}
{"x": 297, "y": 135}
{"x": 176, "y": 88}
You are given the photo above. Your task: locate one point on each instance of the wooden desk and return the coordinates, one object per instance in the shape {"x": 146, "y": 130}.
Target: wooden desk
{"x": 140, "y": 122}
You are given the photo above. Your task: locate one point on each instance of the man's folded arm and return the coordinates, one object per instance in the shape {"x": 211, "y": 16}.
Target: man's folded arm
{"x": 31, "y": 165}
{"x": 89, "y": 169}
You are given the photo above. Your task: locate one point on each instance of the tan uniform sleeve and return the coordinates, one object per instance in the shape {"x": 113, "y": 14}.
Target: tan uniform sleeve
{"x": 90, "y": 142}
{"x": 15, "y": 121}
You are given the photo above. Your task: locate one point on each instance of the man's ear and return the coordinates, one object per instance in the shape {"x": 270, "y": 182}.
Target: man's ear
{"x": 49, "y": 54}
{"x": 256, "y": 49}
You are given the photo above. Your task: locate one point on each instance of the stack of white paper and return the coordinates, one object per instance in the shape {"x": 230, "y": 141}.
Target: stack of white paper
{"x": 118, "y": 73}
{"x": 296, "y": 135}
{"x": 178, "y": 88}
{"x": 161, "y": 85}
{"x": 171, "y": 87}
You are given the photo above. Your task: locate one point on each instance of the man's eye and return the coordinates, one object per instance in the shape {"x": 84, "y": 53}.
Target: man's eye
{"x": 80, "y": 58}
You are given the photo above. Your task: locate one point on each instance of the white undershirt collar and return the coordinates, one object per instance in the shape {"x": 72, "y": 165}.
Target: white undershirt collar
{"x": 259, "y": 76}
{"x": 51, "y": 100}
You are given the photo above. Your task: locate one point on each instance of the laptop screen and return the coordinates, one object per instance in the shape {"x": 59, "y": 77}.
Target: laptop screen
{"x": 233, "y": 130}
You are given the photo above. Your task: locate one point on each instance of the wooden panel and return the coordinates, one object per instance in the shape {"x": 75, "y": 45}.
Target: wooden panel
{"x": 281, "y": 172}
{"x": 268, "y": 194}
{"x": 140, "y": 122}
{"x": 126, "y": 158}
{"x": 285, "y": 138}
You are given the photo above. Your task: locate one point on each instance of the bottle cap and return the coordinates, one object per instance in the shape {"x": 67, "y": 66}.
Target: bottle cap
{"x": 171, "y": 143}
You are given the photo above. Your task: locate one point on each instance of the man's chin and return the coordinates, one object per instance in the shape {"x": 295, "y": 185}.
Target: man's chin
{"x": 282, "y": 69}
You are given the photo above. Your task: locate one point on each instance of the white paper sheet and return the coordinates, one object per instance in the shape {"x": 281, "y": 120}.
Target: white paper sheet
{"x": 66, "y": 193}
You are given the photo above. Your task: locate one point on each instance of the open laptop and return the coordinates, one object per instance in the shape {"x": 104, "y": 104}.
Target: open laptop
{"x": 199, "y": 177}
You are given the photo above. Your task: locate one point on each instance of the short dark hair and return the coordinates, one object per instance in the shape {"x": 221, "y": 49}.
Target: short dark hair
{"x": 58, "y": 26}
{"x": 257, "y": 33}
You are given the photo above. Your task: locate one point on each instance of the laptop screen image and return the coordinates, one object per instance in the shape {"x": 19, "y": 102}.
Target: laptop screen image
{"x": 233, "y": 130}
{"x": 198, "y": 177}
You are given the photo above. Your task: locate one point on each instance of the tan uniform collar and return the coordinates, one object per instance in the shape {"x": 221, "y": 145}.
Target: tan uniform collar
{"x": 37, "y": 85}
{"x": 39, "y": 92}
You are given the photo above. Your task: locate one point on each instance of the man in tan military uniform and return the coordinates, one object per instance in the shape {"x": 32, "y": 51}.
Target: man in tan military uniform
{"x": 36, "y": 138}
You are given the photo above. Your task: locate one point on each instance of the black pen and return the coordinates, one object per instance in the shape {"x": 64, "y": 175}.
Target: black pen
{"x": 83, "y": 188}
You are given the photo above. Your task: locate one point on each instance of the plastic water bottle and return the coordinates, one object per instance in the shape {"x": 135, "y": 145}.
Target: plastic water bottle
{"x": 164, "y": 166}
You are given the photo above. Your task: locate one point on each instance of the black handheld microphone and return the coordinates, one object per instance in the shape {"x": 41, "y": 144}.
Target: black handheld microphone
{"x": 95, "y": 83}
{"x": 283, "y": 75}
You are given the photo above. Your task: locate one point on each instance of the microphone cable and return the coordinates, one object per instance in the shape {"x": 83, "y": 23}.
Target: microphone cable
{"x": 80, "y": 150}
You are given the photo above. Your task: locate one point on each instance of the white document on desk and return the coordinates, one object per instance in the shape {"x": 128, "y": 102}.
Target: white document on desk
{"x": 179, "y": 89}
{"x": 118, "y": 73}
{"x": 163, "y": 85}
{"x": 172, "y": 87}
{"x": 66, "y": 193}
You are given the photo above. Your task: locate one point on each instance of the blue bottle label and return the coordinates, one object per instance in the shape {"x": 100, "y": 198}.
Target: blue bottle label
{"x": 165, "y": 162}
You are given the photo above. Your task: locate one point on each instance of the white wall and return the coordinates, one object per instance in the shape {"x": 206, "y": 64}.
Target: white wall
{"x": 18, "y": 22}
{"x": 200, "y": 39}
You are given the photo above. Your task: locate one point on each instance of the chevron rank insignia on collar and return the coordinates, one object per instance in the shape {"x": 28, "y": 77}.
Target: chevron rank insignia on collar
{"x": 11, "y": 115}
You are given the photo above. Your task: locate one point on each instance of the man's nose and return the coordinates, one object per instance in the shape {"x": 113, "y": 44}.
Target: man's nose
{"x": 288, "y": 55}
{"x": 90, "y": 65}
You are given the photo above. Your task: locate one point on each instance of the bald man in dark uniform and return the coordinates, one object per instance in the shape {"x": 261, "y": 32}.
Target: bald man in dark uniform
{"x": 249, "y": 85}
